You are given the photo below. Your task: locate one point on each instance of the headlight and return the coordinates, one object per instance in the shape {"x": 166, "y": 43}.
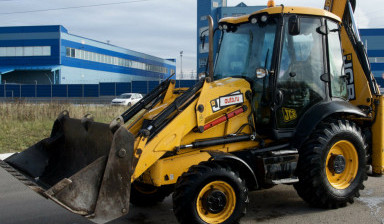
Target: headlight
{"x": 264, "y": 18}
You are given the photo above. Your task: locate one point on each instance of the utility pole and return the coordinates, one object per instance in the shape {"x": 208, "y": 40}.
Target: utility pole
{"x": 181, "y": 64}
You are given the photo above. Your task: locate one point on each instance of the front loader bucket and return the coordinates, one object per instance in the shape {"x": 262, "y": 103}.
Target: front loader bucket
{"x": 83, "y": 166}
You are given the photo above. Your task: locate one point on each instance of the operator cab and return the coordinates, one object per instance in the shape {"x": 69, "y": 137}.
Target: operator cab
{"x": 293, "y": 61}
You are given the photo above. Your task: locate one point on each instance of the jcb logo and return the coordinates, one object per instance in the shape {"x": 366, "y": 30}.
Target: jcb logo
{"x": 348, "y": 65}
{"x": 289, "y": 114}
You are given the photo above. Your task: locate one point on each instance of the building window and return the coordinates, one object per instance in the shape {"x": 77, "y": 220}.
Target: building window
{"x": 28, "y": 51}
{"x": 202, "y": 18}
{"x": 25, "y": 51}
{"x": 107, "y": 59}
{"x": 19, "y": 51}
{"x": 376, "y": 59}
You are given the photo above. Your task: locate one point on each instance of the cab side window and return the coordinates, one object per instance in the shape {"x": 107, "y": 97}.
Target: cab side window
{"x": 336, "y": 68}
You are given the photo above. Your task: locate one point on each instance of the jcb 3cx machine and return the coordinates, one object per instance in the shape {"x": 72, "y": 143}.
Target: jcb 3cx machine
{"x": 291, "y": 100}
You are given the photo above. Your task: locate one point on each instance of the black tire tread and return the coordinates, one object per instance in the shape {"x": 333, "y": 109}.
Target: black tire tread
{"x": 311, "y": 185}
{"x": 187, "y": 183}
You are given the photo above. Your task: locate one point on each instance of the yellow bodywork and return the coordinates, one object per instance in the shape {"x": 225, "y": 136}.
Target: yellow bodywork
{"x": 378, "y": 139}
{"x": 153, "y": 169}
{"x": 285, "y": 10}
{"x": 182, "y": 131}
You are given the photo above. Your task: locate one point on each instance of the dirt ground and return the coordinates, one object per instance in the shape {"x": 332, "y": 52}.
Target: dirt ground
{"x": 281, "y": 204}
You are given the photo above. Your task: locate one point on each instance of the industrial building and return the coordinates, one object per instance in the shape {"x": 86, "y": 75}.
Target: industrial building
{"x": 51, "y": 55}
{"x": 372, "y": 38}
{"x": 373, "y": 41}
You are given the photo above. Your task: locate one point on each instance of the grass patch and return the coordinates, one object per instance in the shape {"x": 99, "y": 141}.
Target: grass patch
{"x": 24, "y": 124}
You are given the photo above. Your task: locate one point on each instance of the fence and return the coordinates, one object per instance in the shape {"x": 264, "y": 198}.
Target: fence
{"x": 82, "y": 90}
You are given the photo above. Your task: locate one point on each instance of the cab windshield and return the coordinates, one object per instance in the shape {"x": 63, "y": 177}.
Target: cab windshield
{"x": 244, "y": 50}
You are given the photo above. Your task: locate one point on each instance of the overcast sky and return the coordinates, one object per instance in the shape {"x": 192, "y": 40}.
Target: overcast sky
{"x": 158, "y": 27}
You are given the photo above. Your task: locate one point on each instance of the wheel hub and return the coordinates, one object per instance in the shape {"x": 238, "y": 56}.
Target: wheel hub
{"x": 337, "y": 163}
{"x": 215, "y": 201}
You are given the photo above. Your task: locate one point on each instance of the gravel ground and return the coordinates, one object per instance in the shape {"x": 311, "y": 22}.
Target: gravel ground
{"x": 281, "y": 204}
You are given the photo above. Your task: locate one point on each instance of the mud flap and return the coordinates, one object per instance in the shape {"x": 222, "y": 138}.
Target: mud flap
{"x": 83, "y": 166}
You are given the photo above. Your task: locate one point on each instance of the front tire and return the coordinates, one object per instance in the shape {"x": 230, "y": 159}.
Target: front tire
{"x": 210, "y": 193}
{"x": 332, "y": 165}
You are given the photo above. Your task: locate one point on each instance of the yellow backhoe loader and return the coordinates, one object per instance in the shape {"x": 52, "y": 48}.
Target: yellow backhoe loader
{"x": 291, "y": 100}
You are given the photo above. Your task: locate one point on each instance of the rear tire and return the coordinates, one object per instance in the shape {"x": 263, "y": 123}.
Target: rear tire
{"x": 332, "y": 165}
{"x": 147, "y": 195}
{"x": 210, "y": 193}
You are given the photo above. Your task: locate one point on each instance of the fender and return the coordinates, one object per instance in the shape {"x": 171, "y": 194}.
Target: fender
{"x": 319, "y": 112}
{"x": 240, "y": 164}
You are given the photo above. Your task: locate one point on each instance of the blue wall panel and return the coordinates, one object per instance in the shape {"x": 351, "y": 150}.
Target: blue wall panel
{"x": 91, "y": 90}
{"x": 43, "y": 90}
{"x": 59, "y": 90}
{"x": 32, "y": 29}
{"x": 152, "y": 85}
{"x": 28, "y": 90}
{"x": 124, "y": 87}
{"x": 380, "y": 81}
{"x": 371, "y": 32}
{"x": 139, "y": 87}
{"x": 107, "y": 89}
{"x": 12, "y": 90}
{"x": 85, "y": 90}
{"x": 75, "y": 90}
{"x": 377, "y": 66}
{"x": 186, "y": 83}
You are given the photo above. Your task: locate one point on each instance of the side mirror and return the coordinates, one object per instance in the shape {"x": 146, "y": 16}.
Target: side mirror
{"x": 294, "y": 25}
{"x": 261, "y": 73}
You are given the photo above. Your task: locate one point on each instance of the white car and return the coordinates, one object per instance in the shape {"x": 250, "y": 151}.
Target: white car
{"x": 127, "y": 99}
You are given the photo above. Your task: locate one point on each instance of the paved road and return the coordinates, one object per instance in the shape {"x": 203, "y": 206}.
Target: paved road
{"x": 20, "y": 205}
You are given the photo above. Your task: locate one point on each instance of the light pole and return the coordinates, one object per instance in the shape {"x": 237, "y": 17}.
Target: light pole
{"x": 181, "y": 64}
{"x": 35, "y": 88}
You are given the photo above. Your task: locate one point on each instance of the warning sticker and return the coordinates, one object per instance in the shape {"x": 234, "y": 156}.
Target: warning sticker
{"x": 231, "y": 100}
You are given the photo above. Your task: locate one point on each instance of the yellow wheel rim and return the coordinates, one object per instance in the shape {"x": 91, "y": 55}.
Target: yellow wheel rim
{"x": 223, "y": 196}
{"x": 342, "y": 164}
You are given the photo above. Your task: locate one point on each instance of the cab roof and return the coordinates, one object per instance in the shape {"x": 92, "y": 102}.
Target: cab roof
{"x": 283, "y": 9}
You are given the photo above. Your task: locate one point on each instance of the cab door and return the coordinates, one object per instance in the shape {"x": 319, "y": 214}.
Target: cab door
{"x": 302, "y": 68}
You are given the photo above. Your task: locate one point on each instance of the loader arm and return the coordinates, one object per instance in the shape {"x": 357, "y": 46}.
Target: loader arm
{"x": 182, "y": 122}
